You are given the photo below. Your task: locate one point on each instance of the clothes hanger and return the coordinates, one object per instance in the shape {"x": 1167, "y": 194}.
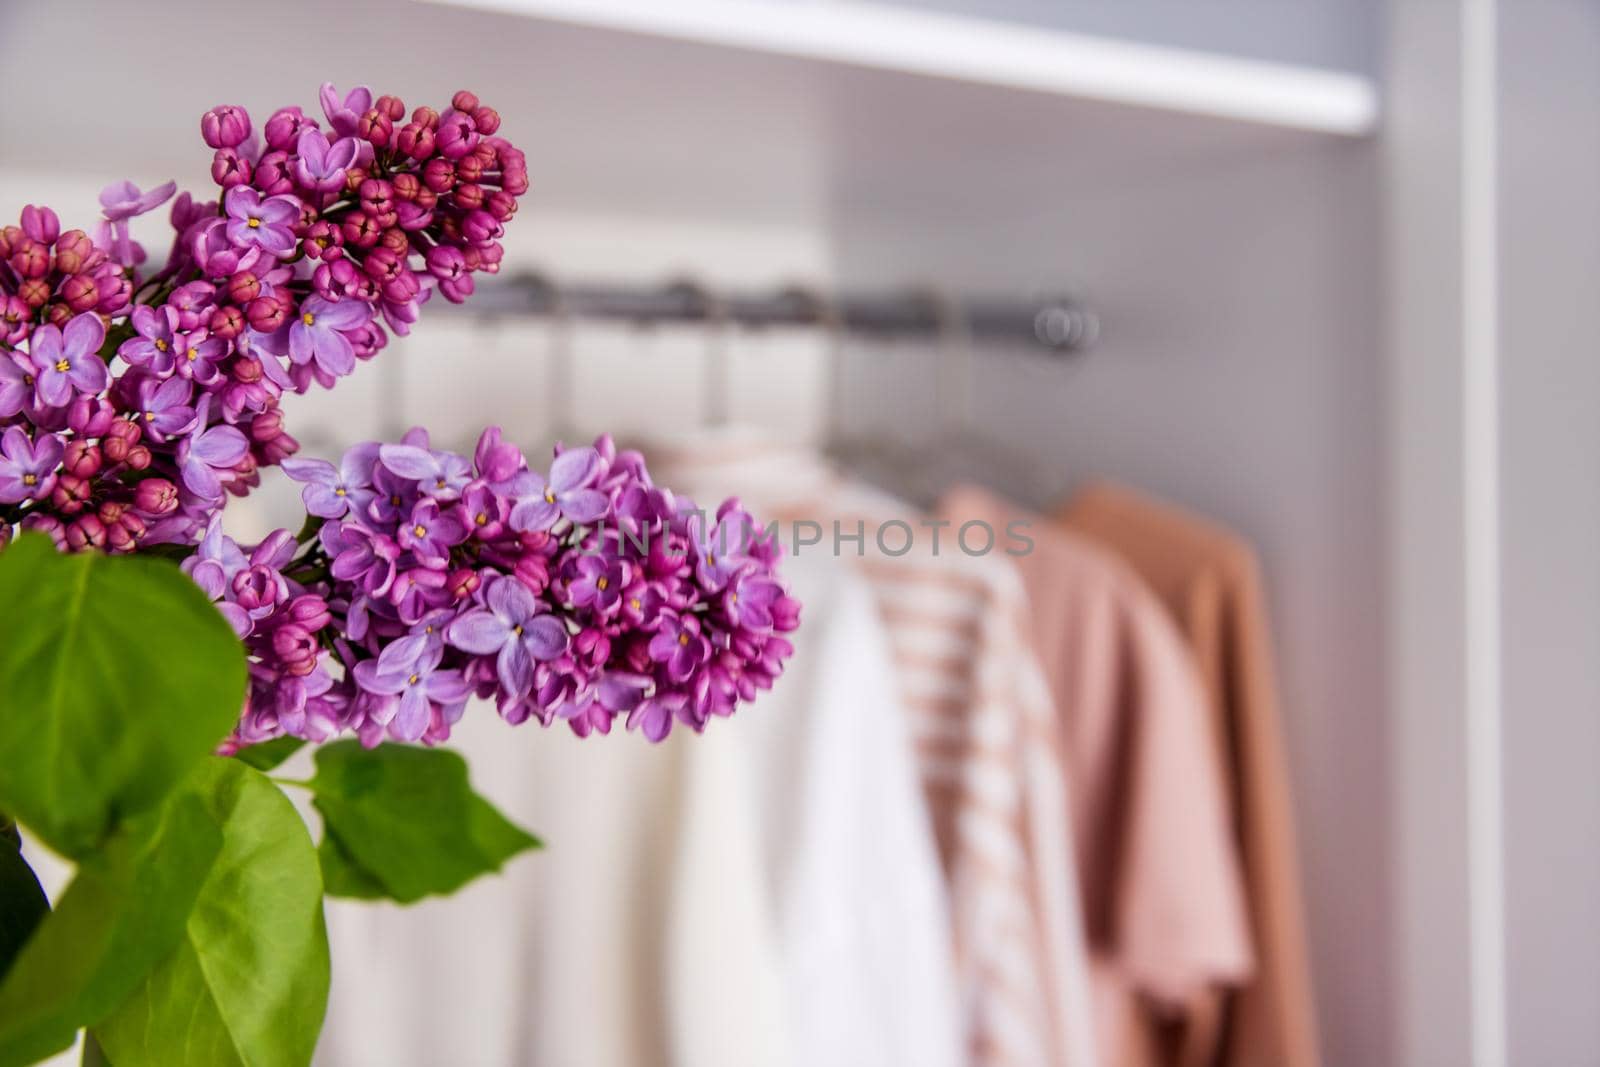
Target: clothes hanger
{"x": 958, "y": 451}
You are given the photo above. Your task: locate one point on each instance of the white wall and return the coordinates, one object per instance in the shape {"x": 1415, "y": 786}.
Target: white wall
{"x": 1549, "y": 63}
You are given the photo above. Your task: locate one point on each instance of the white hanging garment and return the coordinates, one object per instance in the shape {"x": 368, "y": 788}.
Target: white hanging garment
{"x": 765, "y": 894}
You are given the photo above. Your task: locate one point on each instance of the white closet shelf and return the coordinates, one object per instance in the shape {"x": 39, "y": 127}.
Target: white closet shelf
{"x": 987, "y": 52}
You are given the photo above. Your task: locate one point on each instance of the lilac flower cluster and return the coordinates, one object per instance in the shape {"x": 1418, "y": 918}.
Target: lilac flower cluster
{"x": 131, "y": 404}
{"x": 577, "y": 595}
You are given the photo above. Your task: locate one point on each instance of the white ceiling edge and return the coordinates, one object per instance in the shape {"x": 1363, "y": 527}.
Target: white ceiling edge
{"x": 986, "y": 52}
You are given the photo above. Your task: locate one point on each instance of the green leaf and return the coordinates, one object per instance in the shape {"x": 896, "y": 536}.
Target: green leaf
{"x": 23, "y": 904}
{"x": 408, "y": 818}
{"x": 93, "y": 1054}
{"x": 343, "y": 876}
{"x": 116, "y": 676}
{"x": 121, "y": 915}
{"x": 269, "y": 754}
{"x": 248, "y": 983}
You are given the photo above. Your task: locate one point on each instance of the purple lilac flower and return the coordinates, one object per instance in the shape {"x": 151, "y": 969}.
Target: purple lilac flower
{"x": 510, "y": 628}
{"x": 679, "y": 646}
{"x": 416, "y": 681}
{"x": 319, "y": 166}
{"x": 720, "y": 550}
{"x": 27, "y": 468}
{"x": 156, "y": 330}
{"x": 599, "y": 583}
{"x": 261, "y": 223}
{"x": 430, "y": 534}
{"x": 331, "y": 493}
{"x": 121, "y": 201}
{"x": 441, "y": 475}
{"x": 542, "y": 502}
{"x": 344, "y": 115}
{"x": 16, "y": 385}
{"x": 164, "y": 408}
{"x": 68, "y": 360}
{"x": 318, "y": 333}
{"x": 201, "y": 455}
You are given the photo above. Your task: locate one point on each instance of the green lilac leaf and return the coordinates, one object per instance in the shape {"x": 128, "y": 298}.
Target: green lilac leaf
{"x": 343, "y": 876}
{"x": 123, "y": 913}
{"x": 409, "y": 819}
{"x": 269, "y": 754}
{"x": 116, "y": 677}
{"x": 23, "y": 904}
{"x": 248, "y": 982}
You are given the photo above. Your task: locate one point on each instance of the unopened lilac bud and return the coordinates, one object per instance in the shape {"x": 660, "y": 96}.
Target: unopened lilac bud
{"x": 90, "y": 416}
{"x": 469, "y": 196}
{"x": 396, "y": 242}
{"x": 411, "y": 217}
{"x": 123, "y": 535}
{"x": 30, "y": 259}
{"x": 229, "y": 168}
{"x": 446, "y": 261}
{"x": 256, "y": 587}
{"x": 309, "y": 611}
{"x": 469, "y": 168}
{"x": 282, "y": 131}
{"x": 243, "y": 287}
{"x": 266, "y": 314}
{"x": 80, "y": 293}
{"x": 514, "y": 181}
{"x": 362, "y": 231}
{"x": 120, "y": 436}
{"x": 73, "y": 249}
{"x": 480, "y": 227}
{"x": 365, "y": 289}
{"x": 402, "y": 288}
{"x": 116, "y": 293}
{"x": 426, "y": 116}
{"x": 465, "y": 100}
{"x": 501, "y": 204}
{"x": 392, "y": 107}
{"x": 48, "y": 525}
{"x": 415, "y": 140}
{"x": 34, "y": 292}
{"x": 71, "y": 494}
{"x": 225, "y": 127}
{"x": 275, "y": 451}
{"x": 246, "y": 369}
{"x": 295, "y": 648}
{"x": 463, "y": 583}
{"x": 383, "y": 265}
{"x": 86, "y": 531}
{"x": 82, "y": 457}
{"x": 138, "y": 457}
{"x": 41, "y": 224}
{"x": 439, "y": 175}
{"x": 266, "y": 426}
{"x": 375, "y": 128}
{"x": 333, "y": 279}
{"x": 156, "y": 496}
{"x": 377, "y": 196}
{"x": 456, "y": 290}
{"x": 487, "y": 119}
{"x": 272, "y": 174}
{"x": 226, "y": 323}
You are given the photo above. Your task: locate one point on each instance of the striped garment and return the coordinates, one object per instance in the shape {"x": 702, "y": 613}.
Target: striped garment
{"x": 988, "y": 741}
